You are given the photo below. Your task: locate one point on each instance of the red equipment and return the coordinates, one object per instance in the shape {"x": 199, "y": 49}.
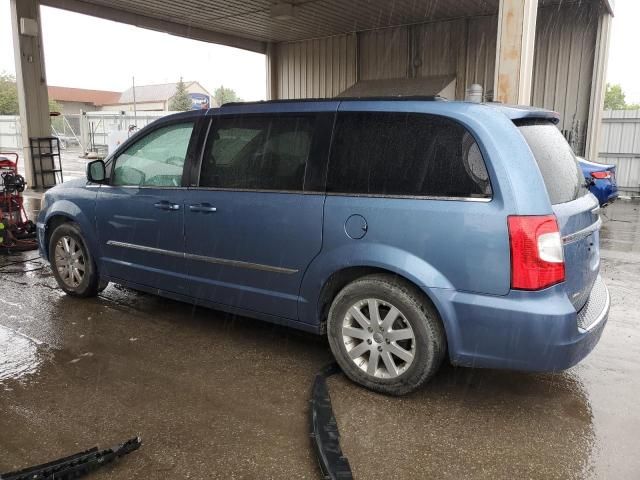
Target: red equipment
{"x": 19, "y": 232}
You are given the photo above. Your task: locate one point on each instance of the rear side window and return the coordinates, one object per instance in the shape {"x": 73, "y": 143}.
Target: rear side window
{"x": 405, "y": 154}
{"x": 258, "y": 153}
{"x": 556, "y": 160}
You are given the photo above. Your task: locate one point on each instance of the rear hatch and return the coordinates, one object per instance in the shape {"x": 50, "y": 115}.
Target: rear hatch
{"x": 575, "y": 208}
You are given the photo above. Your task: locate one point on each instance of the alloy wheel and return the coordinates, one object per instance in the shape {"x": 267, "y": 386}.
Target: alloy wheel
{"x": 378, "y": 338}
{"x": 69, "y": 261}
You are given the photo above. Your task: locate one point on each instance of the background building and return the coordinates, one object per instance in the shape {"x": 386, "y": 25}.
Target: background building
{"x": 156, "y": 98}
{"x": 76, "y": 100}
{"x": 153, "y": 98}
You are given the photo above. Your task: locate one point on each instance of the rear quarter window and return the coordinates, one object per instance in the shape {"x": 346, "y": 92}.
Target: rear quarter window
{"x": 555, "y": 158}
{"x": 405, "y": 154}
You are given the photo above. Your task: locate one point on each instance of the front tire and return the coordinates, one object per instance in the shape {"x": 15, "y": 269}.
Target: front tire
{"x": 385, "y": 334}
{"x": 71, "y": 262}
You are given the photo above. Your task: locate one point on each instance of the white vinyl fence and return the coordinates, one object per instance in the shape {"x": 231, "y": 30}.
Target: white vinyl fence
{"x": 620, "y": 146}
{"x": 95, "y": 127}
{"x": 10, "y": 133}
{"x": 90, "y": 130}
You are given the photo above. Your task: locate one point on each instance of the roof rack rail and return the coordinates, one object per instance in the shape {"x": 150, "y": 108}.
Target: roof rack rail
{"x": 423, "y": 98}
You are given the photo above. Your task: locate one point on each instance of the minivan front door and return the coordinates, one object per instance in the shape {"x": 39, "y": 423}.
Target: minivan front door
{"x": 254, "y": 224}
{"x": 139, "y": 214}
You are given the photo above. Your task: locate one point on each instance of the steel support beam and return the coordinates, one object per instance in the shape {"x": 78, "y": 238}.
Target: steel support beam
{"x": 598, "y": 87}
{"x": 272, "y": 71}
{"x": 514, "y": 52}
{"x": 33, "y": 99}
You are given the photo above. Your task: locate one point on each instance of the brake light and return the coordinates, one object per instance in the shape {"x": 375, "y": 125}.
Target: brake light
{"x": 601, "y": 175}
{"x": 537, "y": 259}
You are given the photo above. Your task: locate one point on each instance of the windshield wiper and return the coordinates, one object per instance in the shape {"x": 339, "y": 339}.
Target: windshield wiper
{"x": 74, "y": 466}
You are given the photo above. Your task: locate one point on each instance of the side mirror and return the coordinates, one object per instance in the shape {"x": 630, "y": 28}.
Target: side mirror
{"x": 96, "y": 171}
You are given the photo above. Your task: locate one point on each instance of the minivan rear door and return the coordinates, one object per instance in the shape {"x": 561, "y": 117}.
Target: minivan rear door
{"x": 575, "y": 208}
{"x": 253, "y": 219}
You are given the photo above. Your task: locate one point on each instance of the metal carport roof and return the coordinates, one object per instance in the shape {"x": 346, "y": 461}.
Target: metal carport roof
{"x": 249, "y": 24}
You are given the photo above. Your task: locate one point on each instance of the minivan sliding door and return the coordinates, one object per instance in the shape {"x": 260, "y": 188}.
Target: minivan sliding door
{"x": 254, "y": 223}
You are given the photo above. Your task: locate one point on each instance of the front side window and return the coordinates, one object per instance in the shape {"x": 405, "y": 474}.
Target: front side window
{"x": 405, "y": 154}
{"x": 258, "y": 153}
{"x": 156, "y": 160}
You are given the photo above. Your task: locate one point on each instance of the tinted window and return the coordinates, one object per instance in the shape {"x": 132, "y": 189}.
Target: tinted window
{"x": 258, "y": 153}
{"x": 405, "y": 154}
{"x": 556, "y": 160}
{"x": 156, "y": 159}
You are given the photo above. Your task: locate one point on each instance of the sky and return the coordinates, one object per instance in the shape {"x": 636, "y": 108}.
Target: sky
{"x": 87, "y": 52}
{"x": 624, "y": 67}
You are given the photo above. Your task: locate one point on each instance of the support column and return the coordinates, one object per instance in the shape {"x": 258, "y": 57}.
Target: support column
{"x": 272, "y": 72}
{"x": 514, "y": 52}
{"x": 33, "y": 99}
{"x": 598, "y": 87}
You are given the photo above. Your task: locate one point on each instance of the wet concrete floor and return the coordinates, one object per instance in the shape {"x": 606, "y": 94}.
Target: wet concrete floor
{"x": 217, "y": 396}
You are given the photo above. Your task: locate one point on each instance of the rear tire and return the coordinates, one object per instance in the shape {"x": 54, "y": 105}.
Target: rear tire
{"x": 72, "y": 263}
{"x": 393, "y": 351}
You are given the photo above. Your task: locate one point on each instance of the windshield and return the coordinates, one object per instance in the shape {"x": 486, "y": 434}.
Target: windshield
{"x": 556, "y": 160}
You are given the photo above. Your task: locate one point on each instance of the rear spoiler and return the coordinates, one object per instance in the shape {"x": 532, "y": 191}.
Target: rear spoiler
{"x": 518, "y": 113}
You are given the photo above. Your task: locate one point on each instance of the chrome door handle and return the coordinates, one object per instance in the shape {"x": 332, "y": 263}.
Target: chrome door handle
{"x": 202, "y": 207}
{"x": 164, "y": 205}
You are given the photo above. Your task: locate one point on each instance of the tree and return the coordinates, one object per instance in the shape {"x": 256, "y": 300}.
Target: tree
{"x": 225, "y": 95}
{"x": 181, "y": 101}
{"x": 614, "y": 98}
{"x": 8, "y": 94}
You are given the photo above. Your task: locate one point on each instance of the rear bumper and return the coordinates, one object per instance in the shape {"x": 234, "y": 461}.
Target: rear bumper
{"x": 530, "y": 331}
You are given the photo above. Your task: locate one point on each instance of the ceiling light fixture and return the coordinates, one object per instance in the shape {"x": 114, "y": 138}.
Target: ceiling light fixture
{"x": 282, "y": 11}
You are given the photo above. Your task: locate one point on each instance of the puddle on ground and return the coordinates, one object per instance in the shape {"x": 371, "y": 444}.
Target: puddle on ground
{"x": 20, "y": 355}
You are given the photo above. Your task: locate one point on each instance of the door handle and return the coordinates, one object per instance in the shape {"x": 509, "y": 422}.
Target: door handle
{"x": 164, "y": 205}
{"x": 202, "y": 207}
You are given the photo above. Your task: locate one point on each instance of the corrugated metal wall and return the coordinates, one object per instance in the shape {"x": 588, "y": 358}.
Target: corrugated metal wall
{"x": 324, "y": 67}
{"x": 480, "y": 64}
{"x": 620, "y": 145}
{"x": 563, "y": 66}
{"x": 384, "y": 53}
{"x": 316, "y": 68}
{"x": 438, "y": 47}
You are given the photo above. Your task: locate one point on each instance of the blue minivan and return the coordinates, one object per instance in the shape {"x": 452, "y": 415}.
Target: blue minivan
{"x": 405, "y": 229}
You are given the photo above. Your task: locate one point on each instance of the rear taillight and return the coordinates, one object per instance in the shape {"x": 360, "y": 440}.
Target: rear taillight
{"x": 537, "y": 259}
{"x": 601, "y": 175}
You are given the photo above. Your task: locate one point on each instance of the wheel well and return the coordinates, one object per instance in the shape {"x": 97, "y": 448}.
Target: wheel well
{"x": 340, "y": 279}
{"x": 51, "y": 225}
